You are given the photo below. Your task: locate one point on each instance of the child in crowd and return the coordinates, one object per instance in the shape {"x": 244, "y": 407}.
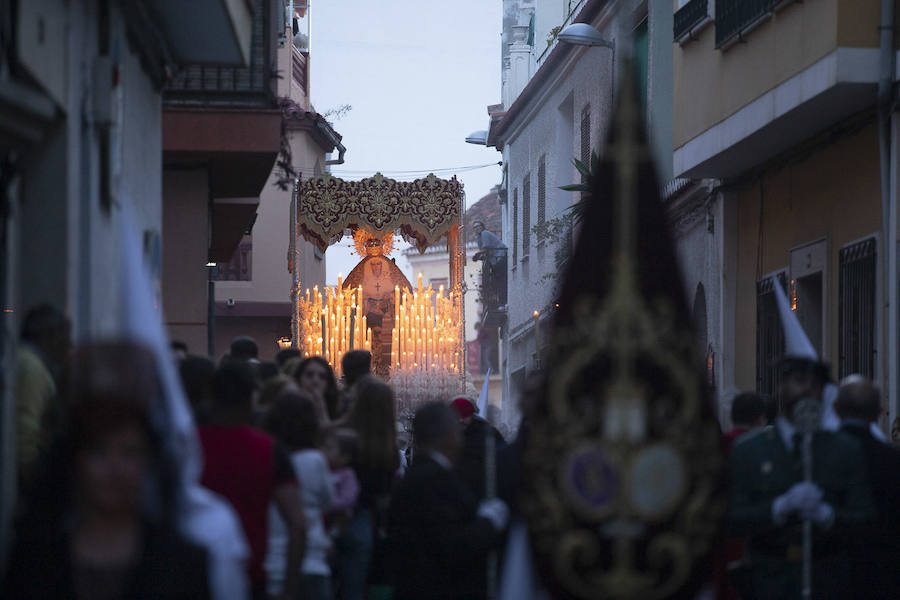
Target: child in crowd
{"x": 340, "y": 446}
{"x": 294, "y": 421}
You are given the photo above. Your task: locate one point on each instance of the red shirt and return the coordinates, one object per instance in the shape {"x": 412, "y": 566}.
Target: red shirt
{"x": 245, "y": 466}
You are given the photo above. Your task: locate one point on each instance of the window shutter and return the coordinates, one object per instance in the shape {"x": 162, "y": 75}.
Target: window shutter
{"x": 515, "y": 227}
{"x": 856, "y": 309}
{"x": 542, "y": 191}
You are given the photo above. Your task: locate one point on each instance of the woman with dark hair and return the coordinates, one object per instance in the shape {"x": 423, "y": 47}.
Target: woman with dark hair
{"x": 314, "y": 375}
{"x": 294, "y": 421}
{"x": 373, "y": 418}
{"x": 90, "y": 530}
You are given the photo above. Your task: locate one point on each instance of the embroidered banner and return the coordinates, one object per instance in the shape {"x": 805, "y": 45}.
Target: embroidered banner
{"x": 422, "y": 211}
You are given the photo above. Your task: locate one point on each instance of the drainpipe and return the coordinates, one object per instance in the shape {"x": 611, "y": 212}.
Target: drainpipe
{"x": 889, "y": 215}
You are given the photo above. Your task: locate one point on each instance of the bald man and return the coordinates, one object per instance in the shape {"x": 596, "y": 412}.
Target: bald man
{"x": 875, "y": 551}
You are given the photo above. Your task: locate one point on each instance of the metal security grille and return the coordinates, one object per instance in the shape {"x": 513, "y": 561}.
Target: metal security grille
{"x": 769, "y": 337}
{"x": 515, "y": 227}
{"x": 542, "y": 190}
{"x": 734, "y": 18}
{"x": 526, "y": 215}
{"x": 689, "y": 15}
{"x": 586, "y": 135}
{"x": 856, "y": 309}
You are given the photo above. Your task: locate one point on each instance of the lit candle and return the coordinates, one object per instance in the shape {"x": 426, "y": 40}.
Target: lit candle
{"x": 537, "y": 338}
{"x": 420, "y": 283}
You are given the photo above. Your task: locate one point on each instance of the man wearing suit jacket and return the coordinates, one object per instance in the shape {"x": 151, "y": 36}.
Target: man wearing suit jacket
{"x": 874, "y": 550}
{"x": 440, "y": 534}
{"x": 770, "y": 499}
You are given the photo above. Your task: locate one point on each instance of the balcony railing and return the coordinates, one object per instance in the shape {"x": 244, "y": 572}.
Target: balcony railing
{"x": 300, "y": 69}
{"x": 689, "y": 16}
{"x": 737, "y": 17}
{"x": 493, "y": 279}
{"x": 213, "y": 85}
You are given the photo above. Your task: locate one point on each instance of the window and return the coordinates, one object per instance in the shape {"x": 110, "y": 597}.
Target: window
{"x": 641, "y": 49}
{"x": 699, "y": 315}
{"x": 734, "y": 18}
{"x": 515, "y": 227}
{"x": 690, "y": 13}
{"x": 807, "y": 286}
{"x": 526, "y": 215}
{"x": 542, "y": 191}
{"x": 769, "y": 337}
{"x": 856, "y": 309}
{"x": 586, "y": 136}
{"x": 239, "y": 267}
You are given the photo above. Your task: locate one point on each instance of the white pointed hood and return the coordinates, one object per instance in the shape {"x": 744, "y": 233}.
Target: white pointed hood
{"x": 797, "y": 345}
{"x": 204, "y": 518}
{"x": 140, "y": 321}
{"x": 796, "y": 342}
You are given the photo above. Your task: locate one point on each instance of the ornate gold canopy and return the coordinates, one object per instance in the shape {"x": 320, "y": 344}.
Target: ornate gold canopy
{"x": 422, "y": 211}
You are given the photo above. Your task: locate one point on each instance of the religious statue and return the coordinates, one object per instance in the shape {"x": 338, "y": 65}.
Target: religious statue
{"x": 378, "y": 275}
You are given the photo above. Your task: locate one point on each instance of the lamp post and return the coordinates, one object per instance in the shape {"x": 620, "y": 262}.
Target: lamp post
{"x": 477, "y": 137}
{"x": 582, "y": 34}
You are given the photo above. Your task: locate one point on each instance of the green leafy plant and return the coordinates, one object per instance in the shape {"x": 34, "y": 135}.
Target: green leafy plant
{"x": 552, "y": 34}
{"x": 587, "y": 172}
{"x": 558, "y": 231}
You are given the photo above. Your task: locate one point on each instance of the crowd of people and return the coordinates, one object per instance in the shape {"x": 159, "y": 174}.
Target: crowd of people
{"x": 314, "y": 469}
{"x": 333, "y": 500}
{"x": 851, "y": 496}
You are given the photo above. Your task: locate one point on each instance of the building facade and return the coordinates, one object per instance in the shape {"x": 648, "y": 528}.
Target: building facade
{"x": 81, "y": 97}
{"x": 556, "y": 102}
{"x": 253, "y": 288}
{"x": 222, "y": 133}
{"x": 792, "y": 166}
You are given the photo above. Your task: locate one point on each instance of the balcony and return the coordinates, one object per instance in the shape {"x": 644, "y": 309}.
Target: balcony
{"x": 688, "y": 17}
{"x": 219, "y": 85}
{"x": 493, "y": 285}
{"x": 735, "y": 18}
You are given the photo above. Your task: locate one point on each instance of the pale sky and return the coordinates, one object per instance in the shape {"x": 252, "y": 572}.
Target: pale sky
{"x": 419, "y": 75}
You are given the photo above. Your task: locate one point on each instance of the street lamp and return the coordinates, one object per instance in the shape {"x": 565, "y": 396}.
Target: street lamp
{"x": 283, "y": 342}
{"x": 582, "y": 34}
{"x": 477, "y": 137}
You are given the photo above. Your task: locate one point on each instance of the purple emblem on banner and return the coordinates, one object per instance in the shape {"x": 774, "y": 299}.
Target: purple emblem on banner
{"x": 592, "y": 480}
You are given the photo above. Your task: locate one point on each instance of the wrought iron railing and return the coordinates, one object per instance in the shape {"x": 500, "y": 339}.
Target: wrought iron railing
{"x": 215, "y": 85}
{"x": 689, "y": 16}
{"x": 734, "y": 17}
{"x": 493, "y": 278}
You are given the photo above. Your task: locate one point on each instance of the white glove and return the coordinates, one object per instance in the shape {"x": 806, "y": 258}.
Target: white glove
{"x": 821, "y": 514}
{"x": 801, "y": 496}
{"x": 495, "y": 511}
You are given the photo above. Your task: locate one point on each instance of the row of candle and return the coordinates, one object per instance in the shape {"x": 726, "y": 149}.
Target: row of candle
{"x": 332, "y": 323}
{"x": 425, "y": 334}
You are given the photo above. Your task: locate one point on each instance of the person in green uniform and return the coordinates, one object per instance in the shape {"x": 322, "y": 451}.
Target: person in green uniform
{"x": 770, "y": 499}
